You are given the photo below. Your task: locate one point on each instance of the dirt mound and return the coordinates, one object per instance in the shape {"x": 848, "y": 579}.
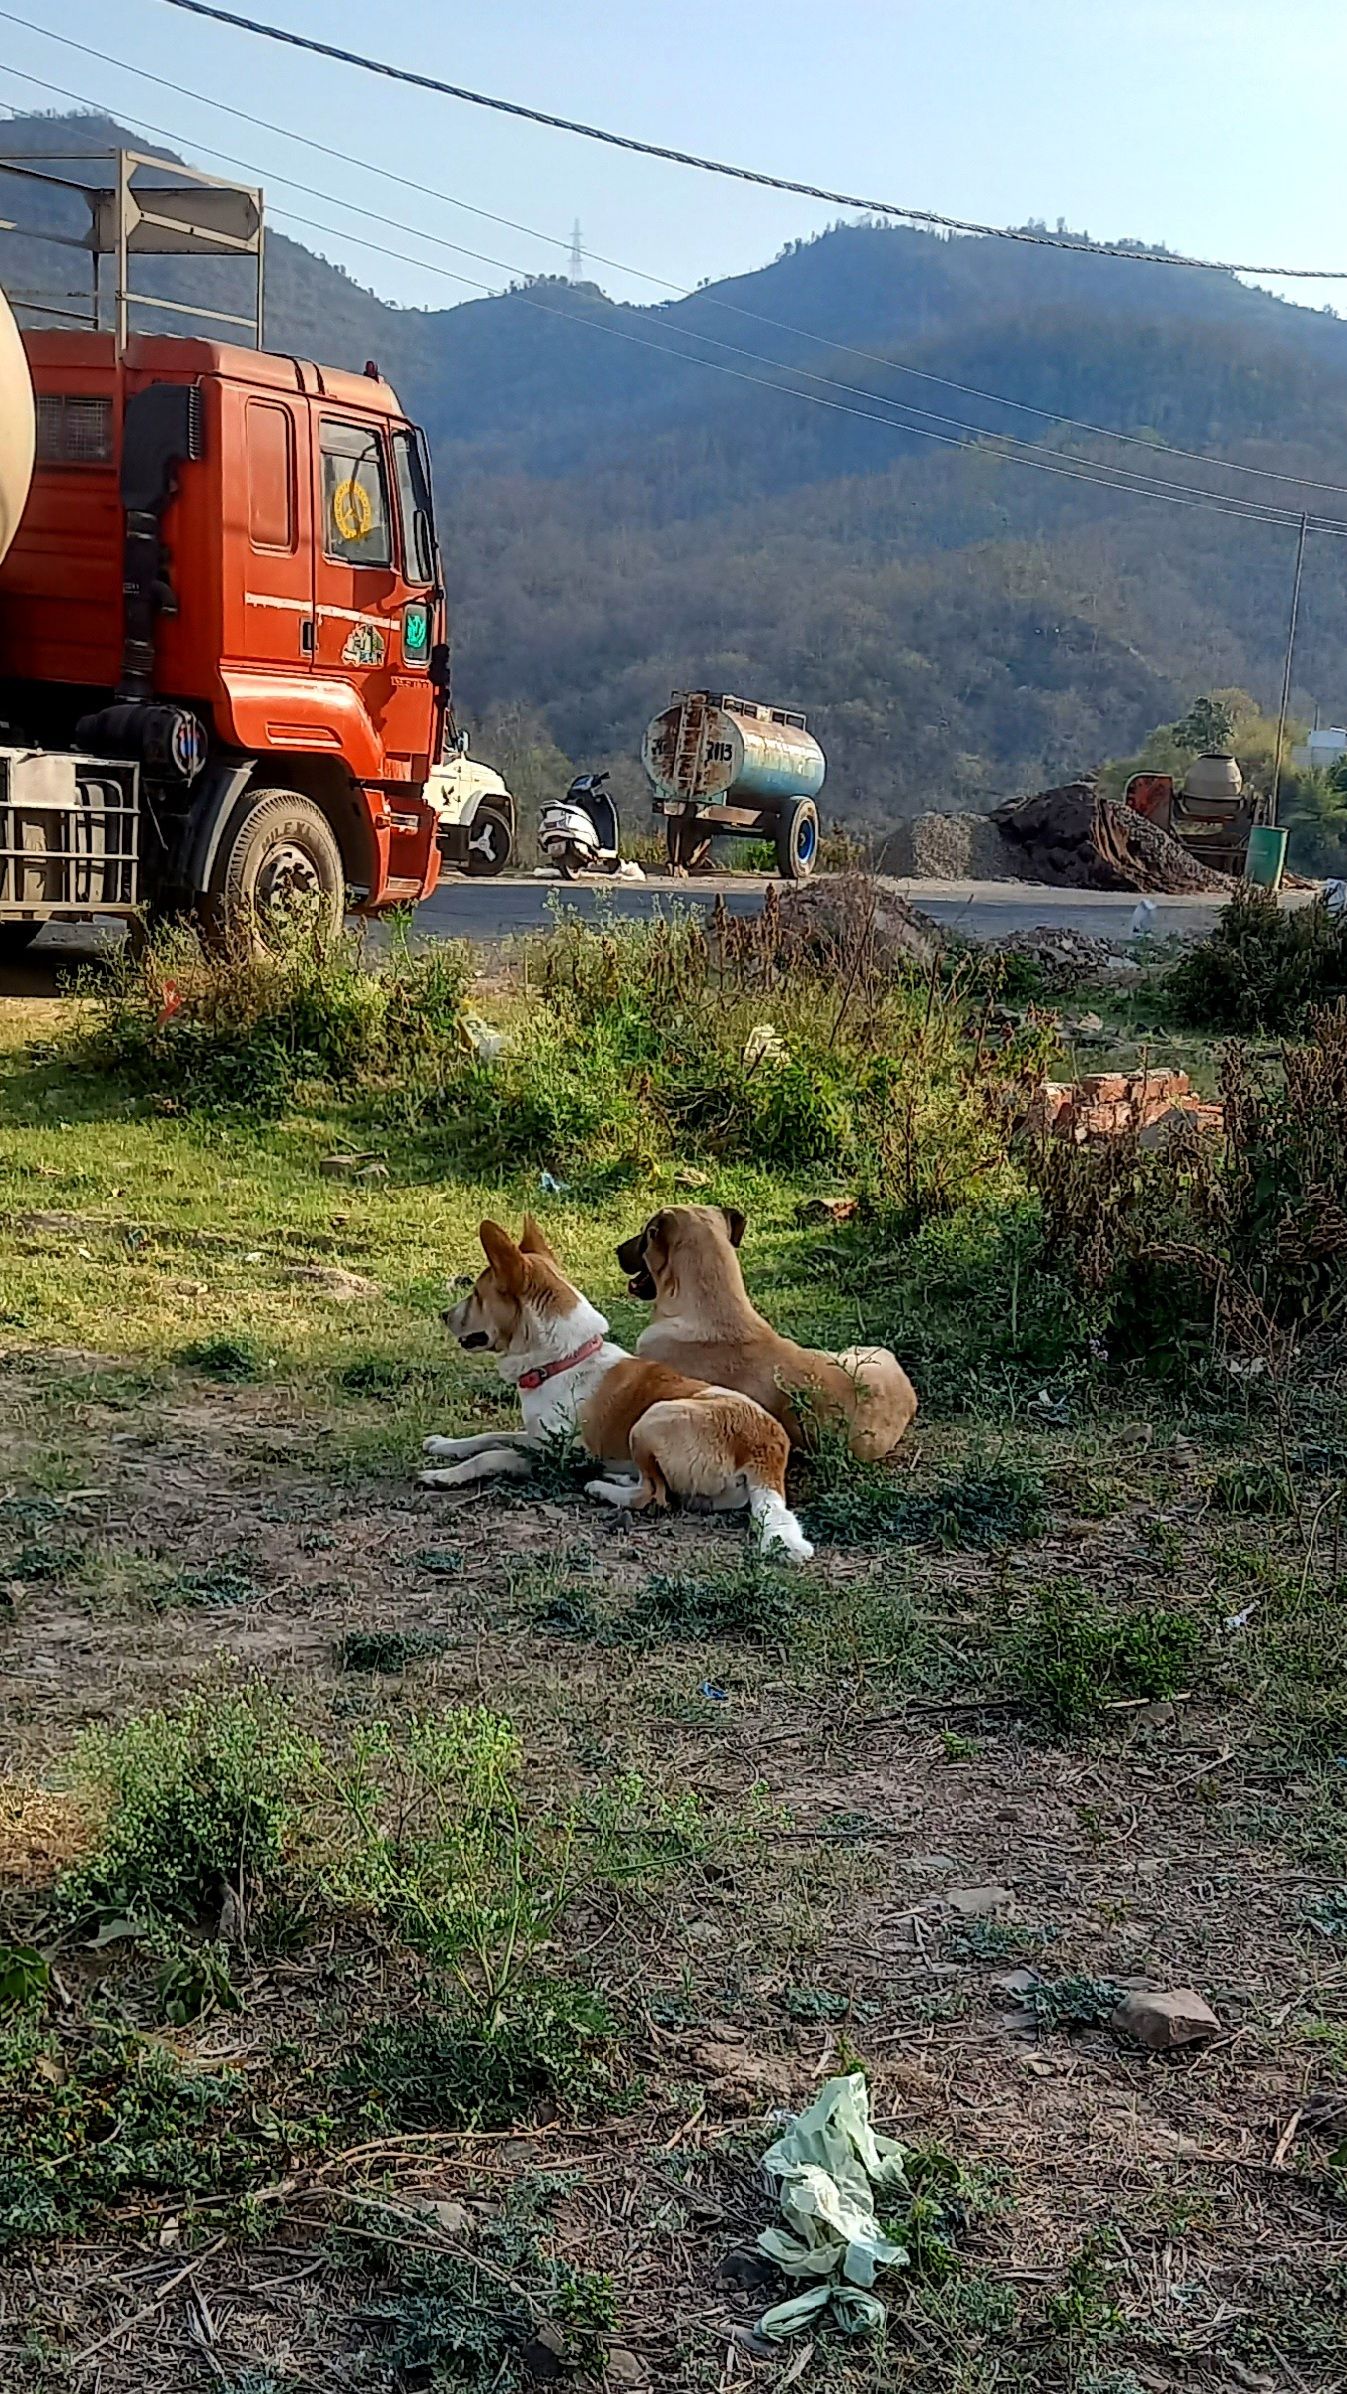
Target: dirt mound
{"x": 856, "y": 916}
{"x": 1075, "y": 838}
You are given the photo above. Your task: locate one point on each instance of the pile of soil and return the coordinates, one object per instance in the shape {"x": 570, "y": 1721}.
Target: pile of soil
{"x": 857, "y": 915}
{"x": 1068, "y": 838}
{"x": 1075, "y": 838}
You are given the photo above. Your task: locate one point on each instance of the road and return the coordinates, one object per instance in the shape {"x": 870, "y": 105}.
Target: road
{"x": 488, "y": 911}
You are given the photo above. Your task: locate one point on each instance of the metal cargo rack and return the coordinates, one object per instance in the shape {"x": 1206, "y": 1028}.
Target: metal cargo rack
{"x": 69, "y": 835}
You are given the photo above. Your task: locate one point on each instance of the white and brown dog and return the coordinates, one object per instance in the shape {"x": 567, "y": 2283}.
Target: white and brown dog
{"x": 657, "y": 1432}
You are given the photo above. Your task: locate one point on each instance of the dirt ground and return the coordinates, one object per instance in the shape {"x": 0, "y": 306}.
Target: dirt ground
{"x": 904, "y": 1864}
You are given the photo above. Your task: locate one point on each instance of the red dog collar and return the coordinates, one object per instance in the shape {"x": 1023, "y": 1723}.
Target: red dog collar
{"x": 553, "y": 1371}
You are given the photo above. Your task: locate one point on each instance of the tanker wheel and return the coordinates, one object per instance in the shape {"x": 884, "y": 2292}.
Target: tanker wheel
{"x": 797, "y": 841}
{"x": 278, "y": 865}
{"x": 687, "y": 845}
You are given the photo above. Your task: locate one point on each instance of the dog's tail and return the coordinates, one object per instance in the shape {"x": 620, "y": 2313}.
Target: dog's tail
{"x": 776, "y": 1525}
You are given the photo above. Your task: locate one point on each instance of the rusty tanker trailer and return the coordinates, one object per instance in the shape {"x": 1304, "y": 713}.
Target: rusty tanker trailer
{"x": 721, "y": 766}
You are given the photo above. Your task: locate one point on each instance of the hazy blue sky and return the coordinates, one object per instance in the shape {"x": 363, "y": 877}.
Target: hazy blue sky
{"x": 1213, "y": 125}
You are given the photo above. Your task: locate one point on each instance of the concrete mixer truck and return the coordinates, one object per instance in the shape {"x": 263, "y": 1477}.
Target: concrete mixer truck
{"x": 224, "y": 670}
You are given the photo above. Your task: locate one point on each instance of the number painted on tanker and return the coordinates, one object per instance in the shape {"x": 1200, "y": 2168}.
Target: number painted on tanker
{"x": 352, "y": 510}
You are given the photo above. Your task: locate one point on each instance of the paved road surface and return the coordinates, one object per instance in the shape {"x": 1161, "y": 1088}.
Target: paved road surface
{"x": 485, "y": 911}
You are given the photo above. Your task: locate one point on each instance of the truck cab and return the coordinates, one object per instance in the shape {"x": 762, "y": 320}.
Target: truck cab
{"x": 223, "y": 649}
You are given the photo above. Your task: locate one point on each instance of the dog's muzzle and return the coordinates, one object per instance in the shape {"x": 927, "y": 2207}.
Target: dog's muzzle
{"x": 640, "y": 1281}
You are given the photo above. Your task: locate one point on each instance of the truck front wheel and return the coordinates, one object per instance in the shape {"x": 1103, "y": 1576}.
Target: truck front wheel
{"x": 797, "y": 840}
{"x": 278, "y": 857}
{"x": 489, "y": 841}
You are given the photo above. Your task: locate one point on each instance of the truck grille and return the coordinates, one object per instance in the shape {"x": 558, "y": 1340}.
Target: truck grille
{"x": 73, "y": 430}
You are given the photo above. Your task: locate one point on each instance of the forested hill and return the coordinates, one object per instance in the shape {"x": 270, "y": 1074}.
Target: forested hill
{"x": 634, "y": 498}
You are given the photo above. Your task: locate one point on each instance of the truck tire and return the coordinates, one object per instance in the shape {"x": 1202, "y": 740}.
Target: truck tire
{"x": 279, "y": 847}
{"x": 490, "y": 841}
{"x": 797, "y": 840}
{"x": 16, "y": 939}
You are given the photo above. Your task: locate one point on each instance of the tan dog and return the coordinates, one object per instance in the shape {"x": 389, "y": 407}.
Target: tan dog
{"x": 685, "y": 1263}
{"x": 666, "y": 1433}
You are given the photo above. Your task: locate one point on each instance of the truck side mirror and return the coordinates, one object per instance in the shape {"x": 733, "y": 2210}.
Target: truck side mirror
{"x": 438, "y": 667}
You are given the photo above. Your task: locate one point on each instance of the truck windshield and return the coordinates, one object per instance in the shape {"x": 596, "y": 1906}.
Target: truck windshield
{"x": 418, "y": 521}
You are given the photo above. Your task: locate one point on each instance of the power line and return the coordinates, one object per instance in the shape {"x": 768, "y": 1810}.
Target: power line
{"x": 1153, "y": 447}
{"x": 740, "y": 174}
{"x": 1099, "y": 474}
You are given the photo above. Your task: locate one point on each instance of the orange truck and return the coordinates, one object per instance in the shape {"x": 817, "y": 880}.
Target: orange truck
{"x": 224, "y": 666}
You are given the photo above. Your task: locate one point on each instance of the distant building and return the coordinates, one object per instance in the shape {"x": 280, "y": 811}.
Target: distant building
{"x": 1326, "y": 745}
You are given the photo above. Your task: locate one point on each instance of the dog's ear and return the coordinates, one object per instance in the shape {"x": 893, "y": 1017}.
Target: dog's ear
{"x": 505, "y": 1259}
{"x": 533, "y": 1241}
{"x": 655, "y": 1239}
{"x": 735, "y": 1222}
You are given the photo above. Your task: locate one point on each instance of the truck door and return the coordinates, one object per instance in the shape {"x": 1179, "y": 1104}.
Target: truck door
{"x": 268, "y": 596}
{"x": 372, "y": 616}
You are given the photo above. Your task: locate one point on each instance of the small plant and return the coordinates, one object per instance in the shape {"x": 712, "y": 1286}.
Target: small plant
{"x": 1073, "y": 1657}
{"x": 453, "y": 2068}
{"x": 1074, "y": 2001}
{"x": 25, "y": 1976}
{"x": 1253, "y": 1488}
{"x": 752, "y": 1600}
{"x": 388, "y": 1650}
{"x": 1265, "y": 967}
{"x": 998, "y": 1506}
{"x": 234, "y": 1359}
{"x": 193, "y": 1982}
{"x": 214, "y": 1587}
{"x": 194, "y": 1802}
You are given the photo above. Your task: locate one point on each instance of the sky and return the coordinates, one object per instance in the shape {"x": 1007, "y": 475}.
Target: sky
{"x": 1213, "y": 126}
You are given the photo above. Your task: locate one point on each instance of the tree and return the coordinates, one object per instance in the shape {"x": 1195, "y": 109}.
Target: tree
{"x": 1209, "y": 723}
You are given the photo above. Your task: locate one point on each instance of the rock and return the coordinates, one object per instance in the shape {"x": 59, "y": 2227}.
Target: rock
{"x": 1016, "y": 1982}
{"x": 1089, "y": 1024}
{"x": 456, "y": 2219}
{"x": 975, "y": 1903}
{"x": 330, "y": 1281}
{"x": 1162, "y": 2021}
{"x": 623, "y": 2368}
{"x": 828, "y": 1209}
{"x": 345, "y": 1167}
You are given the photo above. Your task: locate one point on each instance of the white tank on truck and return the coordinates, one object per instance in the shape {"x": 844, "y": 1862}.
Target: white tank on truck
{"x": 719, "y": 764}
{"x": 16, "y": 426}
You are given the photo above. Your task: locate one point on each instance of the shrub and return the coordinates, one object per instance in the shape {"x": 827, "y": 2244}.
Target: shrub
{"x": 750, "y": 1600}
{"x": 237, "y": 1027}
{"x": 1073, "y": 1656}
{"x": 1264, "y": 968}
{"x": 193, "y": 1802}
{"x": 1243, "y": 1240}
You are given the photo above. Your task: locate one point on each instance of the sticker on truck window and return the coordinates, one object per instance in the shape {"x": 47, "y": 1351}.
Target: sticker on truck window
{"x": 352, "y": 509}
{"x": 365, "y": 645}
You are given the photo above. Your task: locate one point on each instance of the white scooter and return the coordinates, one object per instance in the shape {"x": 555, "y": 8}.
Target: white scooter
{"x": 580, "y": 833}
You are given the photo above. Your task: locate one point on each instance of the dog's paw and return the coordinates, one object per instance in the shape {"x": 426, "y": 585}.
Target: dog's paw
{"x": 439, "y": 1479}
{"x": 439, "y": 1446}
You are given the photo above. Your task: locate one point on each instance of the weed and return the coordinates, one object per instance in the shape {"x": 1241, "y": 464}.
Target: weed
{"x": 214, "y": 1587}
{"x": 1084, "y": 2312}
{"x": 812, "y": 2004}
{"x": 1000, "y": 1505}
{"x": 87, "y": 2126}
{"x": 1073, "y": 1656}
{"x": 752, "y": 1601}
{"x": 946, "y": 2197}
{"x": 234, "y": 1359}
{"x": 388, "y": 1650}
{"x": 25, "y": 1976}
{"x": 1252, "y": 1487}
{"x": 440, "y": 1562}
{"x": 238, "y": 1028}
{"x": 193, "y": 1981}
{"x": 453, "y": 2068}
{"x": 995, "y": 1940}
{"x": 194, "y": 1802}
{"x": 1074, "y": 2001}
